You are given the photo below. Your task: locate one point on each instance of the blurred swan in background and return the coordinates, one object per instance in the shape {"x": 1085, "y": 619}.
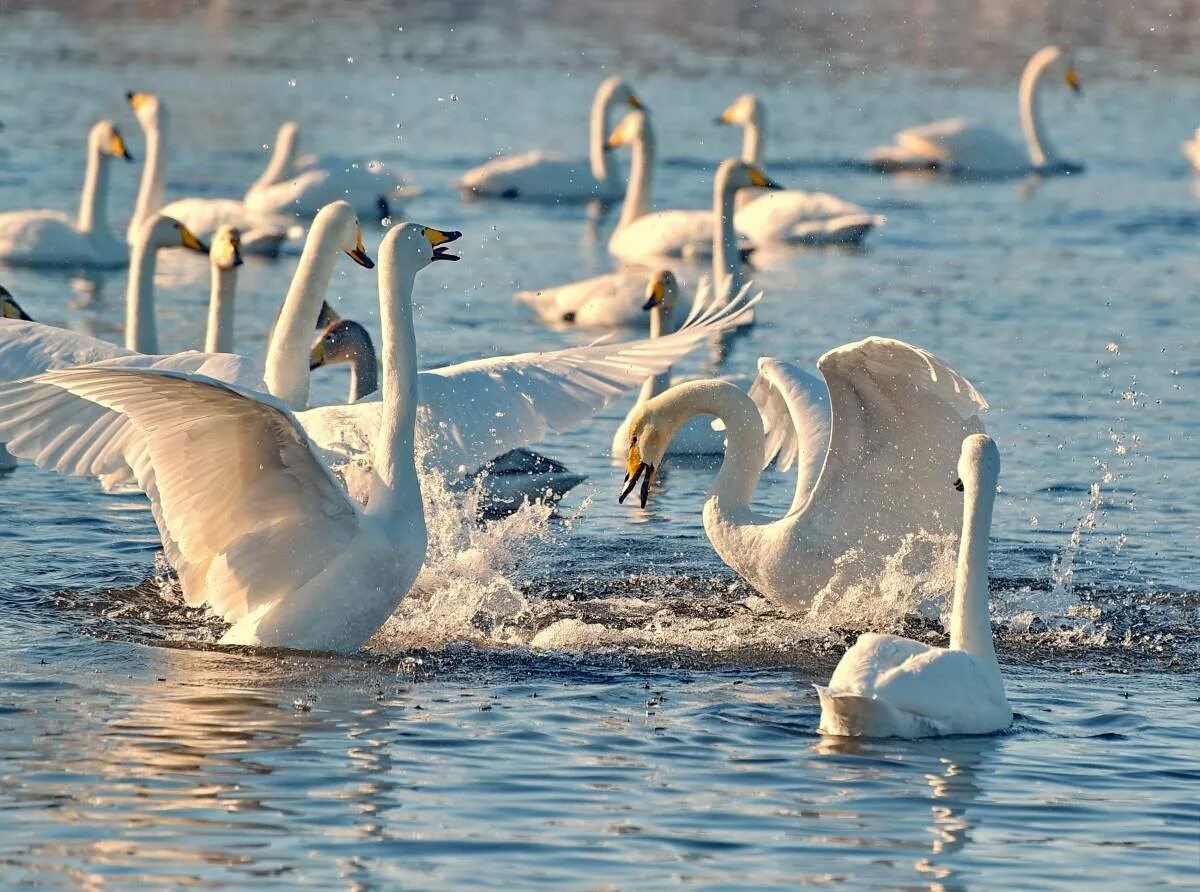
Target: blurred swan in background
{"x": 967, "y": 148}
{"x": 44, "y": 238}
{"x": 262, "y": 233}
{"x": 1191, "y": 150}
{"x": 888, "y": 686}
{"x": 871, "y": 446}
{"x": 789, "y": 215}
{"x": 545, "y": 176}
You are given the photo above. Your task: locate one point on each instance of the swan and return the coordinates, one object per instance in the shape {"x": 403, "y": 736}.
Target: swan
{"x": 967, "y": 148}
{"x": 9, "y": 309}
{"x": 52, "y": 238}
{"x": 699, "y": 436}
{"x": 789, "y": 215}
{"x": 1191, "y": 149}
{"x": 642, "y": 235}
{"x": 75, "y": 436}
{"x": 225, "y": 256}
{"x": 605, "y": 301}
{"x": 301, "y": 186}
{"x": 262, "y": 233}
{"x": 888, "y": 686}
{"x": 880, "y": 432}
{"x": 542, "y": 176}
{"x": 507, "y": 481}
{"x": 251, "y": 519}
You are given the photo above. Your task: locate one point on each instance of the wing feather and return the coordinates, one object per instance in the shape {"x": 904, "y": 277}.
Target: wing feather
{"x": 794, "y": 405}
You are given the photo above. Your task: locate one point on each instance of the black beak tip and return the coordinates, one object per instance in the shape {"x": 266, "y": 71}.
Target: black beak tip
{"x": 129, "y": 94}
{"x": 648, "y": 305}
{"x": 127, "y": 156}
{"x": 203, "y": 248}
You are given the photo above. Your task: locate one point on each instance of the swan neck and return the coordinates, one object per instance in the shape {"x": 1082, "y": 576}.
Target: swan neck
{"x": 753, "y": 140}
{"x": 286, "y": 373}
{"x": 641, "y": 166}
{"x": 364, "y": 375}
{"x": 152, "y": 188}
{"x": 394, "y": 482}
{"x": 93, "y": 202}
{"x": 219, "y": 335}
{"x": 283, "y": 155}
{"x": 598, "y": 133}
{"x": 741, "y": 466}
{"x": 970, "y": 622}
{"x": 656, "y": 384}
{"x": 727, "y": 262}
{"x": 1041, "y": 151}
{"x": 141, "y": 333}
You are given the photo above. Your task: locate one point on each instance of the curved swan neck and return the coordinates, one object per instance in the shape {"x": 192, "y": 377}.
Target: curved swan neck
{"x": 970, "y": 622}
{"x": 641, "y": 167}
{"x": 656, "y": 384}
{"x": 93, "y": 201}
{"x": 152, "y": 188}
{"x": 394, "y": 474}
{"x": 727, "y": 262}
{"x": 364, "y": 368}
{"x": 741, "y": 466}
{"x": 286, "y": 374}
{"x": 222, "y": 298}
{"x": 598, "y": 132}
{"x": 754, "y": 137}
{"x": 282, "y": 158}
{"x": 141, "y": 332}
{"x": 1041, "y": 151}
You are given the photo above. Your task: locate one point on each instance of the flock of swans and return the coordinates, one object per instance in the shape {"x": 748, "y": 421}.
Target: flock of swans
{"x": 304, "y": 526}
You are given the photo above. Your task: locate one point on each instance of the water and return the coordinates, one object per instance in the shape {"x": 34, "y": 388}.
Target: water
{"x": 669, "y": 736}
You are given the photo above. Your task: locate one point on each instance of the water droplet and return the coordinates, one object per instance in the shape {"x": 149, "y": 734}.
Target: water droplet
{"x": 291, "y": 82}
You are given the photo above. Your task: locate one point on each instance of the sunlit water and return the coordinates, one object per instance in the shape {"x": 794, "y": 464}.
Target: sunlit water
{"x": 669, "y": 734}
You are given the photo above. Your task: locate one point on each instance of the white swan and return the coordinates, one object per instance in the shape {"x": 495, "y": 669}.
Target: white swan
{"x": 225, "y": 256}
{"x": 888, "y": 686}
{"x": 54, "y": 239}
{"x": 301, "y": 186}
{"x": 789, "y": 215}
{"x": 605, "y": 301}
{"x": 251, "y": 519}
{"x": 869, "y": 472}
{"x": 642, "y": 235}
{"x": 1191, "y": 149}
{"x": 9, "y": 309}
{"x": 544, "y": 176}
{"x": 261, "y": 233}
{"x": 699, "y": 436}
{"x": 967, "y": 148}
{"x": 75, "y": 436}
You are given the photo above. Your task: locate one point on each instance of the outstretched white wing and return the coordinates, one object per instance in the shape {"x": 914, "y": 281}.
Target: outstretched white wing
{"x": 30, "y": 348}
{"x": 794, "y": 405}
{"x": 899, "y": 416}
{"x": 247, "y": 511}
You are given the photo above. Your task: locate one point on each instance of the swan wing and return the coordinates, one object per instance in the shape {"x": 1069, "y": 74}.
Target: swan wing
{"x": 247, "y": 511}
{"x": 792, "y": 215}
{"x": 965, "y": 145}
{"x": 677, "y": 233}
{"x": 533, "y": 175}
{"x": 615, "y": 298}
{"x": 30, "y": 348}
{"x": 476, "y": 410}
{"x": 899, "y": 416}
{"x": 794, "y": 405}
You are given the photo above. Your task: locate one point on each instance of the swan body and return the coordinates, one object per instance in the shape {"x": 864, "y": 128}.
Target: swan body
{"x": 302, "y": 185}
{"x": 45, "y": 238}
{"x": 251, "y": 519}
{"x": 262, "y": 233}
{"x": 543, "y": 176}
{"x": 1191, "y": 150}
{"x": 967, "y": 148}
{"x": 870, "y": 444}
{"x": 888, "y": 686}
{"x": 605, "y": 301}
{"x": 789, "y": 216}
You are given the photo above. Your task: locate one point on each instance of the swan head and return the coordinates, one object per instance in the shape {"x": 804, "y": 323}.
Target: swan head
{"x": 161, "y": 231}
{"x": 338, "y": 221}
{"x": 614, "y": 91}
{"x": 105, "y": 138}
{"x": 629, "y": 130}
{"x": 9, "y": 308}
{"x": 662, "y": 291}
{"x": 978, "y": 464}
{"x": 742, "y": 111}
{"x": 652, "y": 424}
{"x": 734, "y": 174}
{"x": 1047, "y": 56}
{"x": 417, "y": 246}
{"x": 147, "y": 108}
{"x": 342, "y": 341}
{"x": 226, "y": 249}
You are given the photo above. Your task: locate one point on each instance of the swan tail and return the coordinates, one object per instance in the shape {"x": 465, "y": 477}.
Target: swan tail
{"x": 845, "y": 714}
{"x": 849, "y": 229}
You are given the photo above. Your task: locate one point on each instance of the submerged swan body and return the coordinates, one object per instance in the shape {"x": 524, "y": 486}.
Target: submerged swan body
{"x": 543, "y": 176}
{"x": 789, "y": 216}
{"x": 42, "y": 238}
{"x": 871, "y": 448}
{"x": 888, "y": 686}
{"x": 967, "y": 148}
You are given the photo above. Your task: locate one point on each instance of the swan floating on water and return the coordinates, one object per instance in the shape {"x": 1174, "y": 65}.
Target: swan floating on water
{"x": 1191, "y": 150}
{"x": 871, "y": 446}
{"x": 41, "y": 238}
{"x": 967, "y": 148}
{"x": 888, "y": 686}
{"x": 789, "y": 215}
{"x": 547, "y": 177}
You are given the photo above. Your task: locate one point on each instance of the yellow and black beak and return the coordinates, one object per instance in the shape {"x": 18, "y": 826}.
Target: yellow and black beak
{"x": 316, "y": 358}
{"x": 724, "y": 117}
{"x": 236, "y": 244}
{"x": 10, "y": 309}
{"x": 657, "y": 295}
{"x": 188, "y": 239}
{"x": 118, "y": 149}
{"x": 635, "y": 468}
{"x": 636, "y": 103}
{"x": 1072, "y": 79}
{"x": 958, "y": 484}
{"x": 760, "y": 180}
{"x": 359, "y": 254}
{"x": 438, "y": 239}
